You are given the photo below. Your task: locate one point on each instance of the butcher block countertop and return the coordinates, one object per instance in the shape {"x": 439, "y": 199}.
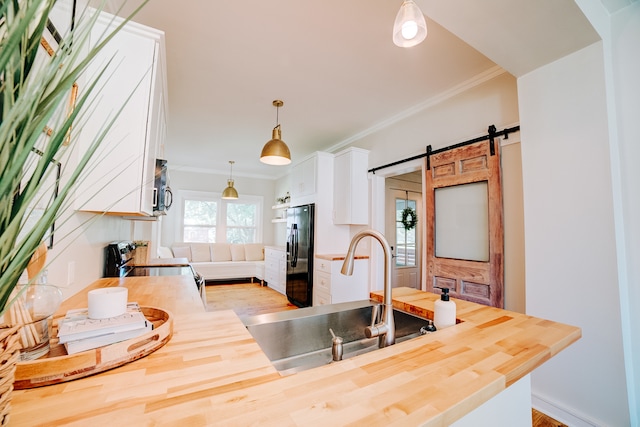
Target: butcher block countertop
{"x": 212, "y": 372}
{"x": 339, "y": 257}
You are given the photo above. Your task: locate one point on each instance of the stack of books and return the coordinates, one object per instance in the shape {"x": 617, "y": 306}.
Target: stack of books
{"x": 79, "y": 333}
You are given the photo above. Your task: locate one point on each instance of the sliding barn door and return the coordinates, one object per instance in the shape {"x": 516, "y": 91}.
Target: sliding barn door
{"x": 464, "y": 223}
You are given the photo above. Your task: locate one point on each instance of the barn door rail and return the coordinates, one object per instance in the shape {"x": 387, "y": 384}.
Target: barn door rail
{"x": 492, "y": 133}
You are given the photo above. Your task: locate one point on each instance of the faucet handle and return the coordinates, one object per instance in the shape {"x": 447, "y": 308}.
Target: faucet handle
{"x": 375, "y": 314}
{"x": 377, "y": 327}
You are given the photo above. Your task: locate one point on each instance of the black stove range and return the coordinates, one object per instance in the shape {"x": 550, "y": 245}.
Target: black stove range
{"x": 119, "y": 263}
{"x": 163, "y": 270}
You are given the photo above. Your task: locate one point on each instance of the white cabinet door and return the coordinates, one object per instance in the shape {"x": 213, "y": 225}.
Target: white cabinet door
{"x": 351, "y": 187}
{"x": 350, "y": 288}
{"x": 121, "y": 174}
{"x": 303, "y": 180}
{"x": 330, "y": 286}
{"x": 275, "y": 268}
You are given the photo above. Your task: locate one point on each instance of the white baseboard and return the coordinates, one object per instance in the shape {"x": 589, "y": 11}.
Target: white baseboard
{"x": 565, "y": 415}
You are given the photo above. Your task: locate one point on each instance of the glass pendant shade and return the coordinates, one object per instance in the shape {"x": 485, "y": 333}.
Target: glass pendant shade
{"x": 230, "y": 192}
{"x": 410, "y": 27}
{"x": 275, "y": 152}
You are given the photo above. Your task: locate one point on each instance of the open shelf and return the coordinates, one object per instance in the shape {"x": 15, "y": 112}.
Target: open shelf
{"x": 281, "y": 206}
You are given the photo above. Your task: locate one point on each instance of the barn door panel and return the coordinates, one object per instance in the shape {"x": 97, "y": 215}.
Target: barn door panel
{"x": 464, "y": 223}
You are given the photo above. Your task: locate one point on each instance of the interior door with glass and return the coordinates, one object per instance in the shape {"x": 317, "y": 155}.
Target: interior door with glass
{"x": 404, "y": 237}
{"x": 464, "y": 223}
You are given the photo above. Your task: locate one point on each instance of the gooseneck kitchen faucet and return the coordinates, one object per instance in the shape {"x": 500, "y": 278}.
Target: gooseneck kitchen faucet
{"x": 385, "y": 330}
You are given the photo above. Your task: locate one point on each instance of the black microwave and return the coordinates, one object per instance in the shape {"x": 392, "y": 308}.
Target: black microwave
{"x": 162, "y": 196}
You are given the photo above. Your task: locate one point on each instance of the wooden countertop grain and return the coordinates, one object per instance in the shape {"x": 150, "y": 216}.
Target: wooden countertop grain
{"x": 164, "y": 262}
{"x": 212, "y": 372}
{"x": 177, "y": 294}
{"x": 339, "y": 257}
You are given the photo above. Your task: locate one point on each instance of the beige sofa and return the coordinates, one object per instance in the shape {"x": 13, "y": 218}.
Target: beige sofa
{"x": 220, "y": 261}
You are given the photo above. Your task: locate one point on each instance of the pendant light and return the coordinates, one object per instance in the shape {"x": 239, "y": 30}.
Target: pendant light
{"x": 410, "y": 28}
{"x": 276, "y": 152}
{"x": 230, "y": 192}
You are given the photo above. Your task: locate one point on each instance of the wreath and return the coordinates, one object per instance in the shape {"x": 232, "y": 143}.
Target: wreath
{"x": 409, "y": 218}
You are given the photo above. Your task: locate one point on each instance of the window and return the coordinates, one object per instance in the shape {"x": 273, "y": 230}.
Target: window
{"x": 199, "y": 221}
{"x": 405, "y": 239}
{"x": 462, "y": 221}
{"x": 208, "y": 218}
{"x": 241, "y": 222}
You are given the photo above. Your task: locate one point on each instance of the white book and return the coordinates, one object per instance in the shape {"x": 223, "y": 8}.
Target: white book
{"x": 77, "y": 325}
{"x": 102, "y": 340}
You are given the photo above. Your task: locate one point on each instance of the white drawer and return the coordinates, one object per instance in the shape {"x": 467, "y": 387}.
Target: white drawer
{"x": 321, "y": 297}
{"x": 270, "y": 277}
{"x": 271, "y": 264}
{"x": 274, "y": 254}
{"x": 323, "y": 265}
{"x": 322, "y": 282}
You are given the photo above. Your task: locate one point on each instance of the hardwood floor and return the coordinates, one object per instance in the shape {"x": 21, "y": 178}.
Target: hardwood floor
{"x": 248, "y": 299}
{"x": 542, "y": 420}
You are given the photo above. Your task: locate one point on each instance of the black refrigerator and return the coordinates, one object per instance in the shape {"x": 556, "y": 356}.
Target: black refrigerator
{"x": 300, "y": 255}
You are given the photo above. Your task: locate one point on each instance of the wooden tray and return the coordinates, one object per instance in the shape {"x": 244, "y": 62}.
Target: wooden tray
{"x": 58, "y": 366}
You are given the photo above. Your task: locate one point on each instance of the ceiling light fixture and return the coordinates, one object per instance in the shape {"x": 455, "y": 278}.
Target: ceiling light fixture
{"x": 410, "y": 28}
{"x": 276, "y": 152}
{"x": 230, "y": 192}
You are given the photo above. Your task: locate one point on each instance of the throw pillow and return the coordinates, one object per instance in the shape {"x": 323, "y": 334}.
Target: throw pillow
{"x": 237, "y": 252}
{"x": 254, "y": 251}
{"x": 200, "y": 252}
{"x": 220, "y": 252}
{"x": 182, "y": 252}
{"x": 164, "y": 252}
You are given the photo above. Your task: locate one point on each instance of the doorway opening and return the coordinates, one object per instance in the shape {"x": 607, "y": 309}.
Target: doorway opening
{"x": 404, "y": 218}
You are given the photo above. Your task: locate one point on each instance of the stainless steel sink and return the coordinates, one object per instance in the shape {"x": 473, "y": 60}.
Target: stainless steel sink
{"x": 300, "y": 339}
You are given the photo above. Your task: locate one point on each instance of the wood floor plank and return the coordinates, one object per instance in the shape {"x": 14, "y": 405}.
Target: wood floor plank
{"x": 246, "y": 299}
{"x": 542, "y": 420}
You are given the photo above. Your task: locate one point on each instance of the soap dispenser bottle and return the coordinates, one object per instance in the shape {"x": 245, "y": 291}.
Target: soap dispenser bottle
{"x": 444, "y": 313}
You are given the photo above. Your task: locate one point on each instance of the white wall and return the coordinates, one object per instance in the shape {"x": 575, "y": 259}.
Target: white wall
{"x": 513, "y": 205}
{"x": 77, "y": 257}
{"x": 571, "y": 269}
{"x": 456, "y": 119}
{"x": 624, "y": 86}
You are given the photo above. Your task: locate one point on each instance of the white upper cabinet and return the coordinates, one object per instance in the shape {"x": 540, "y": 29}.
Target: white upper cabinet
{"x": 121, "y": 175}
{"x": 303, "y": 181}
{"x": 351, "y": 187}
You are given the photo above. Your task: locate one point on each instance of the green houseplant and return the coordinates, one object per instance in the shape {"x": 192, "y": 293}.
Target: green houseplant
{"x": 33, "y": 92}
{"x": 35, "y": 137}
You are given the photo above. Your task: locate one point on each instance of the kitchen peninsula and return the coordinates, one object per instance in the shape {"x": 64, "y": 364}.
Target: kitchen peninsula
{"x": 212, "y": 372}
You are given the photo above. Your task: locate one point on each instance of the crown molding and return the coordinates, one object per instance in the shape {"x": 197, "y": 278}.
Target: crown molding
{"x": 477, "y": 80}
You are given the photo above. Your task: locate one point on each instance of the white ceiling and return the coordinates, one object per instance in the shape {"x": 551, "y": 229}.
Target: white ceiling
{"x": 334, "y": 65}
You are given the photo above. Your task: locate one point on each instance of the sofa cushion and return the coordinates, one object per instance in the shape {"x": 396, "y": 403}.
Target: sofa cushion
{"x": 220, "y": 252}
{"x": 200, "y": 252}
{"x": 237, "y": 252}
{"x": 254, "y": 251}
{"x": 230, "y": 270}
{"x": 164, "y": 252}
{"x": 182, "y": 252}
